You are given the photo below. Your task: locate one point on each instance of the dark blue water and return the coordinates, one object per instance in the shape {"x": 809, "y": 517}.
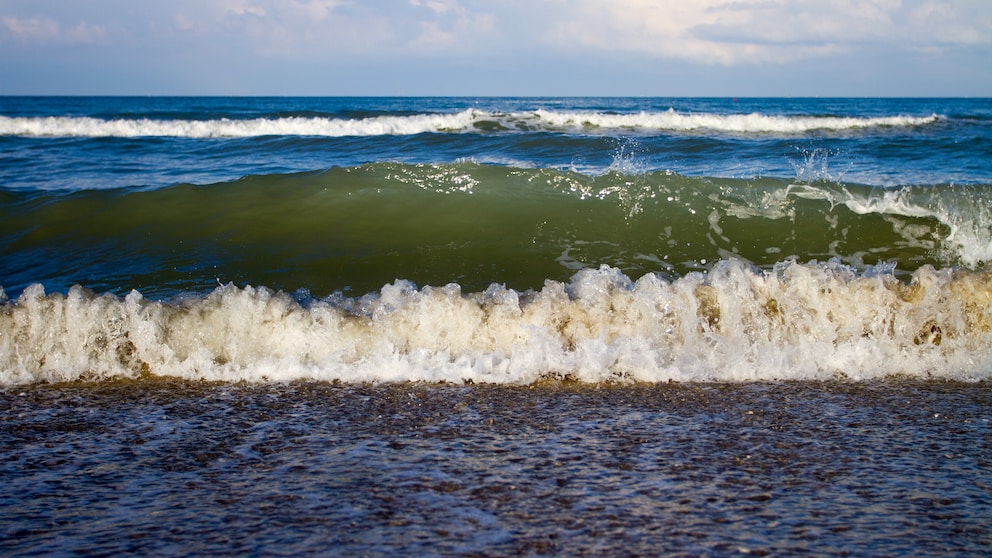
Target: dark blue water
{"x": 952, "y": 148}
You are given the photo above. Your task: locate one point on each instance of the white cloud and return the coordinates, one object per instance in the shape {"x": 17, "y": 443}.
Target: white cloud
{"x": 438, "y": 6}
{"x": 314, "y": 10}
{"x": 278, "y": 29}
{"x": 183, "y": 22}
{"x": 233, "y": 15}
{"x": 718, "y": 32}
{"x": 763, "y": 31}
{"x": 452, "y": 25}
{"x": 46, "y": 30}
{"x": 535, "y": 41}
{"x": 85, "y": 33}
{"x": 236, "y": 8}
{"x": 941, "y": 23}
{"x": 40, "y": 29}
{"x": 334, "y": 28}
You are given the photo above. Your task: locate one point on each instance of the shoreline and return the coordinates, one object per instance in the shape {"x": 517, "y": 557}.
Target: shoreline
{"x": 883, "y": 467}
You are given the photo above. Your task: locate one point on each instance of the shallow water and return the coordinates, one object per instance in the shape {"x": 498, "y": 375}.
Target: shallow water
{"x": 155, "y": 466}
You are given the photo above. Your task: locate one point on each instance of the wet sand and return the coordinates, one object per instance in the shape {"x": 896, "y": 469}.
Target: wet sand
{"x": 170, "y": 467}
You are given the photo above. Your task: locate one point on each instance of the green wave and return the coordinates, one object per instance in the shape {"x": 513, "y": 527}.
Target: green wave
{"x": 356, "y": 229}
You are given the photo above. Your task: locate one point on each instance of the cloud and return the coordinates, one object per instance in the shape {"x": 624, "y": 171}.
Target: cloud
{"x": 711, "y": 32}
{"x": 85, "y": 33}
{"x": 448, "y": 43}
{"x": 438, "y": 6}
{"x": 766, "y": 31}
{"x": 331, "y": 29}
{"x": 451, "y": 25}
{"x": 310, "y": 10}
{"x": 46, "y": 30}
{"x": 268, "y": 29}
{"x": 33, "y": 29}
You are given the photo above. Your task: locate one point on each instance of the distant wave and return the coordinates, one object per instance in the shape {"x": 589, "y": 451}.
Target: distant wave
{"x": 464, "y": 121}
{"x": 739, "y": 123}
{"x": 227, "y": 128}
{"x": 796, "y": 322}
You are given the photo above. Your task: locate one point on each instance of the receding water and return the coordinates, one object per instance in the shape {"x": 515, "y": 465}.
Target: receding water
{"x": 153, "y": 467}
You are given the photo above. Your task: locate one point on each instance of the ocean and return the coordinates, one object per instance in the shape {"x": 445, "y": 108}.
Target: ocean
{"x": 500, "y": 326}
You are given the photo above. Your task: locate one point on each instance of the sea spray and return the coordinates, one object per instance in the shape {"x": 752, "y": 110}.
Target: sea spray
{"x": 736, "y": 323}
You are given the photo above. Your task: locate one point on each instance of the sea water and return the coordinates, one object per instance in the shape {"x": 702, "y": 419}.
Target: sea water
{"x": 470, "y": 325}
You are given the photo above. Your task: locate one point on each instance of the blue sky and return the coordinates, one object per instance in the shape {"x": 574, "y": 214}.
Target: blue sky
{"x": 497, "y": 47}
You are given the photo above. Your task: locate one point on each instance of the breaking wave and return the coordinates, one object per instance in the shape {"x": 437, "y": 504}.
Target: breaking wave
{"x": 470, "y": 120}
{"x": 814, "y": 321}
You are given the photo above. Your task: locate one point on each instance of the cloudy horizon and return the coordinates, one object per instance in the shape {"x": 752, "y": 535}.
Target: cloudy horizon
{"x": 480, "y": 47}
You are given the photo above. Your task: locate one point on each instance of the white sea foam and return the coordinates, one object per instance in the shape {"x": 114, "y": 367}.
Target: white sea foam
{"x": 968, "y": 218}
{"x": 798, "y": 322}
{"x": 739, "y": 123}
{"x": 226, "y": 128}
{"x": 463, "y": 121}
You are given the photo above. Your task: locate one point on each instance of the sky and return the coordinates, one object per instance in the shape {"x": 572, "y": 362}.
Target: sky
{"x": 497, "y": 47}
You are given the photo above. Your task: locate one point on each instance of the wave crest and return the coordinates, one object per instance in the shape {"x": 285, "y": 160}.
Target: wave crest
{"x": 797, "y": 322}
{"x": 470, "y": 120}
{"x": 737, "y": 123}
